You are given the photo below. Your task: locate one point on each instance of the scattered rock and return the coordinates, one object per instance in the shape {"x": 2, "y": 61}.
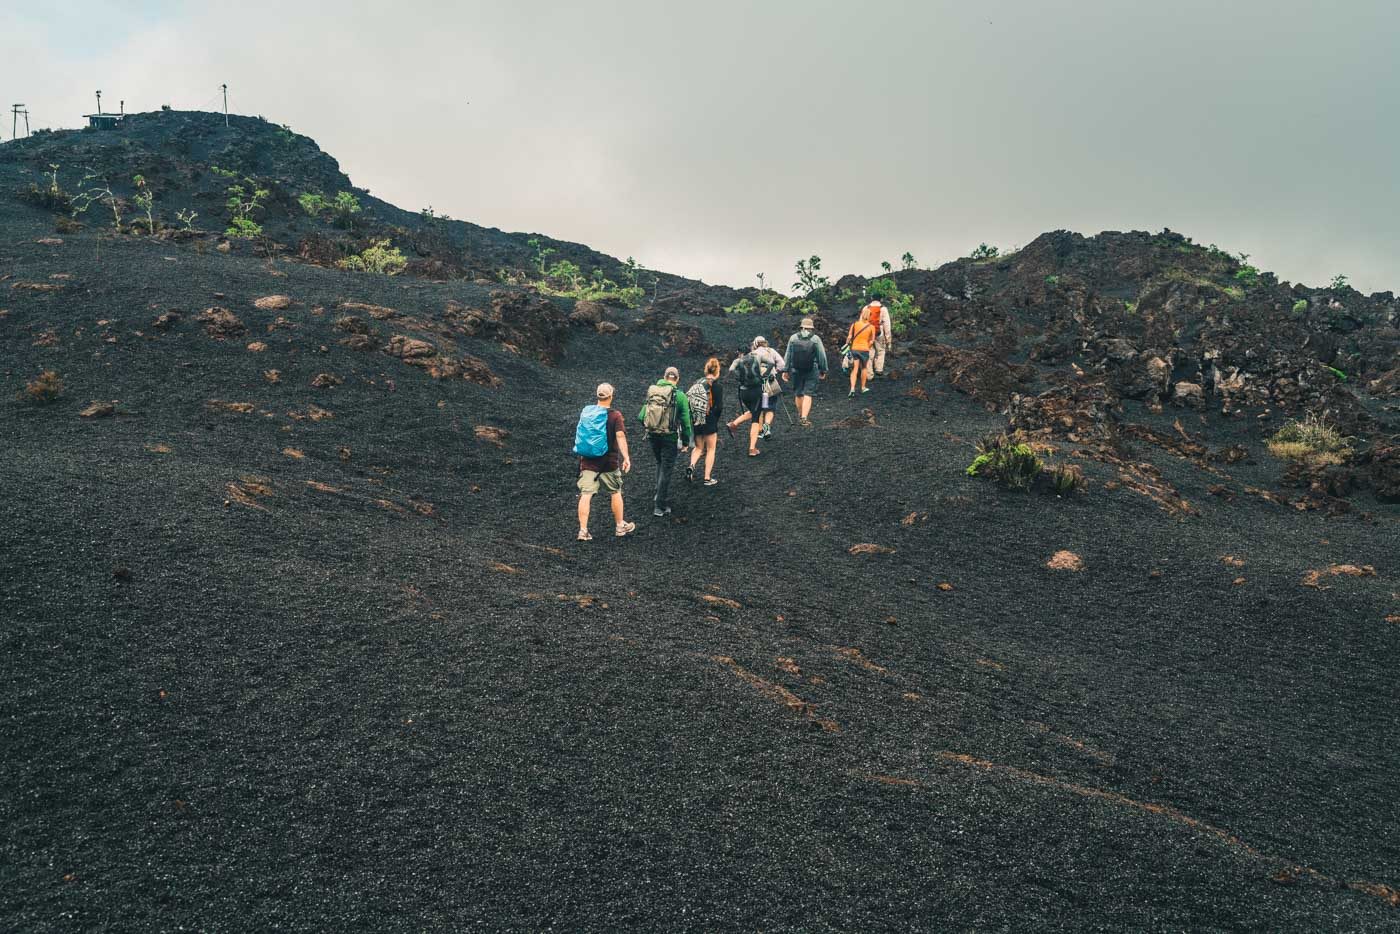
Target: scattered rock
{"x": 1233, "y": 561}
{"x": 273, "y": 302}
{"x": 1314, "y": 578}
{"x": 725, "y": 602}
{"x": 869, "y": 548}
{"x": 945, "y": 586}
{"x": 50, "y": 241}
{"x": 166, "y": 321}
{"x": 294, "y": 453}
{"x": 1189, "y": 394}
{"x": 99, "y": 410}
{"x": 492, "y": 434}
{"x": 1065, "y": 561}
{"x": 220, "y": 323}
{"x": 607, "y": 327}
{"x": 257, "y": 347}
{"x": 272, "y": 376}
{"x": 378, "y": 312}
{"x": 866, "y": 419}
{"x": 37, "y": 287}
{"x": 219, "y": 405}
{"x": 325, "y": 381}
{"x": 224, "y": 247}
{"x": 409, "y": 348}
{"x": 587, "y": 313}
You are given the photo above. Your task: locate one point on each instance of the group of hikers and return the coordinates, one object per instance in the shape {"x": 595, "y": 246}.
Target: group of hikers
{"x": 680, "y": 422}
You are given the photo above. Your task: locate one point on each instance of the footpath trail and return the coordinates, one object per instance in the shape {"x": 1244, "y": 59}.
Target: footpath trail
{"x": 268, "y": 668}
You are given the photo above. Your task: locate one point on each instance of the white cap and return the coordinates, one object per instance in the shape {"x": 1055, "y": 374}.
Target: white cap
{"x": 672, "y": 373}
{"x": 759, "y": 341}
{"x": 605, "y": 390}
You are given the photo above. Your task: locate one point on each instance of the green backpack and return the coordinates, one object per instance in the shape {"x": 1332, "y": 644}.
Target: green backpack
{"x": 659, "y": 417}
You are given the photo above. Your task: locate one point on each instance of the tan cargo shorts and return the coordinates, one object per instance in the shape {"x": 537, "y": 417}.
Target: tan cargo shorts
{"x": 590, "y": 480}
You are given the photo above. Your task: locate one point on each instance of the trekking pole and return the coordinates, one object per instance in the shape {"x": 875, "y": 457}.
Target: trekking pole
{"x": 782, "y": 401}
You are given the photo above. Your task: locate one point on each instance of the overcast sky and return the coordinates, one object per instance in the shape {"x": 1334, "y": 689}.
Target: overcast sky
{"x": 723, "y": 138}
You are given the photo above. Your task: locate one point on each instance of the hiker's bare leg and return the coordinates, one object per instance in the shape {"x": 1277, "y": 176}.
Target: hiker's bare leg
{"x": 695, "y": 451}
{"x": 864, "y": 375}
{"x": 754, "y": 429}
{"x": 617, "y": 508}
{"x": 585, "y": 502}
{"x": 804, "y": 405}
{"x": 741, "y": 419}
{"x": 855, "y": 373}
{"x": 711, "y": 444}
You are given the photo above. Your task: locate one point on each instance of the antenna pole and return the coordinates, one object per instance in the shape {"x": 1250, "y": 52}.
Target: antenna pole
{"x": 225, "y": 90}
{"x": 99, "y": 103}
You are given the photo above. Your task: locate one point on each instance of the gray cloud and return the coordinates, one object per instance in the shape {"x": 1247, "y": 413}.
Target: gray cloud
{"x": 723, "y": 139}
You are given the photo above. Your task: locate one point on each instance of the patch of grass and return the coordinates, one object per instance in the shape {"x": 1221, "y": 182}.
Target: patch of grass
{"x": 1310, "y": 438}
{"x": 1052, "y": 280}
{"x": 42, "y": 389}
{"x": 1065, "y": 478}
{"x": 1300, "y": 306}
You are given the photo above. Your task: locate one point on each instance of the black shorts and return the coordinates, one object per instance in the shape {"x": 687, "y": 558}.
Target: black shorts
{"x": 804, "y": 384}
{"x": 751, "y": 398}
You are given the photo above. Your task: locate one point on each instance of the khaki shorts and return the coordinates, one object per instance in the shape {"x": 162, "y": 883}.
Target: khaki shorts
{"x": 590, "y": 480}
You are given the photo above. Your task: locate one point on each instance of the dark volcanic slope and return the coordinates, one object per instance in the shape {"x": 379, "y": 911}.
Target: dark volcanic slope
{"x": 266, "y": 671}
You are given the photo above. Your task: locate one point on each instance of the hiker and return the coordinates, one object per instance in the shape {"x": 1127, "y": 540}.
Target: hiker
{"x": 806, "y": 362}
{"x": 754, "y": 370}
{"x": 600, "y": 440}
{"x": 707, "y": 396}
{"x": 880, "y": 316}
{"x": 860, "y": 337}
{"x": 774, "y": 366}
{"x": 666, "y": 417}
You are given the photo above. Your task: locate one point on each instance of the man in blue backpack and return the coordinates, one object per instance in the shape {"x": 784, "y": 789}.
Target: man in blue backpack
{"x": 601, "y": 443}
{"x": 666, "y": 417}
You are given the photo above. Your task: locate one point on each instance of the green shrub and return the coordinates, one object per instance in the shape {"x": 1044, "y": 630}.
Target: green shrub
{"x": 145, "y": 199}
{"x": 243, "y": 199}
{"x": 1339, "y": 283}
{"x": 1052, "y": 280}
{"x": 809, "y": 277}
{"x": 907, "y": 261}
{"x": 313, "y": 203}
{"x": 984, "y": 251}
{"x": 379, "y": 258}
{"x": 1010, "y": 463}
{"x": 742, "y": 307}
{"x": 1300, "y": 306}
{"x": 1248, "y": 275}
{"x": 542, "y": 253}
{"x": 904, "y": 314}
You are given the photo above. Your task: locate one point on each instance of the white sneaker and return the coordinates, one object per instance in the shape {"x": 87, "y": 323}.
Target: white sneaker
{"x": 625, "y": 529}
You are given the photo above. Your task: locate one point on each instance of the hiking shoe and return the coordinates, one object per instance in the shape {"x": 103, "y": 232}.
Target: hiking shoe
{"x": 851, "y": 394}
{"x": 626, "y": 528}
{"x": 767, "y": 432}
{"x": 805, "y": 422}
{"x": 711, "y": 481}
{"x": 864, "y": 390}
{"x": 667, "y": 511}
{"x": 659, "y": 513}
{"x": 690, "y": 474}
{"x": 583, "y": 536}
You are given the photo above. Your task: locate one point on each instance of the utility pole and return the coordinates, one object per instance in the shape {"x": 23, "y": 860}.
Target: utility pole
{"x": 15, "y": 111}
{"x": 99, "y": 102}
{"x": 225, "y": 90}
{"x": 26, "y": 121}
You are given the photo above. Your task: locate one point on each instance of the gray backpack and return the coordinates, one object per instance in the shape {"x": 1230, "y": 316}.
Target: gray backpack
{"x": 659, "y": 417}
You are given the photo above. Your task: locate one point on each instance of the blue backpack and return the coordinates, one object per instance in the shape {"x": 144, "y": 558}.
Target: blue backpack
{"x": 591, "y": 435}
